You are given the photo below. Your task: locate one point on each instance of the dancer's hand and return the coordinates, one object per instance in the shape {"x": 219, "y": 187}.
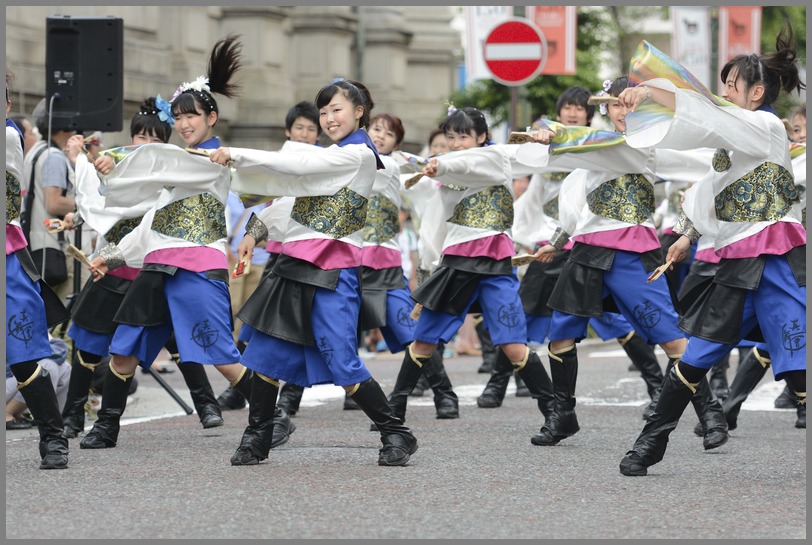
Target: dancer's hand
{"x": 679, "y": 250}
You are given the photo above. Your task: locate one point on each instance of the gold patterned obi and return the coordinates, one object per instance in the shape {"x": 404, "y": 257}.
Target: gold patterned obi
{"x": 628, "y": 198}
{"x": 675, "y": 201}
{"x": 382, "y": 220}
{"x": 491, "y": 208}
{"x": 764, "y": 194}
{"x": 557, "y": 176}
{"x": 551, "y": 208}
{"x": 121, "y": 228}
{"x": 13, "y": 198}
{"x": 200, "y": 219}
{"x": 337, "y": 215}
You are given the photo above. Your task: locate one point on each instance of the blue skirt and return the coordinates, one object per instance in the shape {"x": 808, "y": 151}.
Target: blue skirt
{"x": 334, "y": 358}
{"x": 26, "y": 326}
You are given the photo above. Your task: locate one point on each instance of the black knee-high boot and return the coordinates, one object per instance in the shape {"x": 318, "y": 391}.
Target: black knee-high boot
{"x": 538, "y": 383}
{"x": 104, "y": 433}
{"x": 398, "y": 442}
{"x": 718, "y": 378}
{"x": 290, "y": 396}
{"x": 649, "y": 448}
{"x": 494, "y": 392}
{"x": 643, "y": 358}
{"x": 563, "y": 422}
{"x": 712, "y": 425}
{"x": 81, "y": 375}
{"x": 409, "y": 373}
{"x": 243, "y": 384}
{"x": 750, "y": 372}
{"x": 446, "y": 402}
{"x": 488, "y": 349}
{"x": 39, "y": 395}
{"x": 202, "y": 394}
{"x": 796, "y": 380}
{"x": 258, "y": 436}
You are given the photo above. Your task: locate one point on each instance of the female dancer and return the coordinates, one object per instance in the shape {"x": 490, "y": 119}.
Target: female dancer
{"x": 92, "y": 326}
{"x": 608, "y": 212}
{"x": 31, "y": 307}
{"x": 475, "y": 267}
{"x": 305, "y": 315}
{"x": 747, "y": 202}
{"x": 180, "y": 242}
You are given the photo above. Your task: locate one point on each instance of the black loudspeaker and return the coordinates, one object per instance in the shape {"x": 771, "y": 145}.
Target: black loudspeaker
{"x": 84, "y": 64}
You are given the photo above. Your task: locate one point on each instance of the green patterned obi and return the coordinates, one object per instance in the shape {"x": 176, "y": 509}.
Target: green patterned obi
{"x": 557, "y": 176}
{"x": 491, "y": 208}
{"x": 337, "y": 215}
{"x": 382, "y": 220}
{"x": 763, "y": 194}
{"x": 122, "y": 228}
{"x": 200, "y": 219}
{"x": 628, "y": 198}
{"x": 551, "y": 208}
{"x": 13, "y": 198}
{"x": 675, "y": 201}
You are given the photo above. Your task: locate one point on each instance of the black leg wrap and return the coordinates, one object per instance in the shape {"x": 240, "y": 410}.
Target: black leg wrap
{"x": 718, "y": 378}
{"x": 398, "y": 442}
{"x": 446, "y": 402}
{"x": 202, "y": 394}
{"x": 649, "y": 448}
{"x": 421, "y": 386}
{"x": 408, "y": 375}
{"x": 563, "y": 422}
{"x": 748, "y": 375}
{"x": 644, "y": 360}
{"x": 488, "y": 349}
{"x": 539, "y": 384}
{"x": 258, "y": 436}
{"x": 289, "y": 398}
{"x": 41, "y": 400}
{"x": 104, "y": 433}
{"x": 243, "y": 385}
{"x": 711, "y": 416}
{"x": 73, "y": 414}
{"x": 494, "y": 392}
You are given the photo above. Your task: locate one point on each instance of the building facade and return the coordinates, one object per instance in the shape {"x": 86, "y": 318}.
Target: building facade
{"x": 407, "y": 57}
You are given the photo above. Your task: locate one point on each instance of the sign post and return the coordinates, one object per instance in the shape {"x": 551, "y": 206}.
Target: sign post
{"x": 515, "y": 52}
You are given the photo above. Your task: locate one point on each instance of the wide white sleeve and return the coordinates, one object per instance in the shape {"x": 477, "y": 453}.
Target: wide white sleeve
{"x": 699, "y": 123}
{"x": 14, "y": 155}
{"x": 476, "y": 168}
{"x": 295, "y": 174}
{"x": 620, "y": 158}
{"x": 153, "y": 167}
{"x": 688, "y": 166}
{"x": 92, "y": 206}
{"x": 572, "y": 200}
{"x": 528, "y": 212}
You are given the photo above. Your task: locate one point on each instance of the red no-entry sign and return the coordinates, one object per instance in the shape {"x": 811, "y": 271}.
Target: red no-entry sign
{"x": 515, "y": 51}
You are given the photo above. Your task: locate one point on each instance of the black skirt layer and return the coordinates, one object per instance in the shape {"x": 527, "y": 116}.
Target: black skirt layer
{"x": 375, "y": 285}
{"x": 579, "y": 290}
{"x": 145, "y": 302}
{"x": 55, "y": 311}
{"x": 97, "y": 304}
{"x": 454, "y": 281}
{"x": 280, "y": 305}
{"x": 716, "y": 313}
{"x": 538, "y": 283}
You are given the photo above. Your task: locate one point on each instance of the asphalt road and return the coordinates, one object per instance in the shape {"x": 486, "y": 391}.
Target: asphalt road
{"x": 478, "y": 477}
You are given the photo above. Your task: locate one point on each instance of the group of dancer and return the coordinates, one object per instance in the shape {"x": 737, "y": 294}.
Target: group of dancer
{"x": 160, "y": 274}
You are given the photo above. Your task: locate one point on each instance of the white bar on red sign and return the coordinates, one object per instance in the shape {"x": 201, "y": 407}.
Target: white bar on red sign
{"x": 512, "y": 52}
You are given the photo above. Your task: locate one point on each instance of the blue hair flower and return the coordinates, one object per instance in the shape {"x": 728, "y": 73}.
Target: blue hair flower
{"x": 338, "y": 79}
{"x": 164, "y": 111}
